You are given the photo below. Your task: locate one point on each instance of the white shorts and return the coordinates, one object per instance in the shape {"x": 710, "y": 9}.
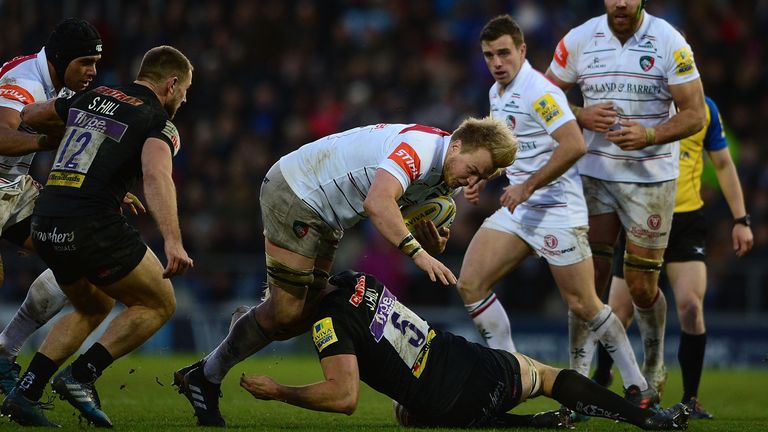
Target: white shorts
{"x": 644, "y": 209}
{"x": 559, "y": 246}
{"x": 17, "y": 203}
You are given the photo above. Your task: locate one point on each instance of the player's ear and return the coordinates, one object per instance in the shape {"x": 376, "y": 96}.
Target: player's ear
{"x": 170, "y": 84}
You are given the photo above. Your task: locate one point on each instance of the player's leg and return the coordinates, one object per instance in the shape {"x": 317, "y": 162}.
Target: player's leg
{"x": 91, "y": 306}
{"x": 493, "y": 252}
{"x": 646, "y": 215}
{"x": 586, "y": 310}
{"x": 689, "y": 283}
{"x": 580, "y": 394}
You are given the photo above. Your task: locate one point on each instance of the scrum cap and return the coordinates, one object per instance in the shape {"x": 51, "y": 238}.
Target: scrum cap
{"x": 72, "y": 38}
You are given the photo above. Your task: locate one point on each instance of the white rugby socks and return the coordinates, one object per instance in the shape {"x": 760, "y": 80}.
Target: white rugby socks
{"x": 44, "y": 300}
{"x": 492, "y": 322}
{"x": 608, "y": 329}
{"x": 583, "y": 343}
{"x": 652, "y": 322}
{"x": 245, "y": 338}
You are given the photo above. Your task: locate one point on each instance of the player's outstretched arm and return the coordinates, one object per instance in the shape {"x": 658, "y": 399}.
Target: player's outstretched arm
{"x": 161, "y": 199}
{"x": 16, "y": 143}
{"x": 338, "y": 393}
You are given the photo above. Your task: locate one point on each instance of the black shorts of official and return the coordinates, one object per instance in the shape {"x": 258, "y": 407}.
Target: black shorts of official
{"x": 493, "y": 388}
{"x": 687, "y": 241}
{"x": 103, "y": 249}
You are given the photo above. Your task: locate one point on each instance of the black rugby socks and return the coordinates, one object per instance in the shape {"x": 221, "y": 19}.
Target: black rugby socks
{"x": 39, "y": 372}
{"x": 91, "y": 364}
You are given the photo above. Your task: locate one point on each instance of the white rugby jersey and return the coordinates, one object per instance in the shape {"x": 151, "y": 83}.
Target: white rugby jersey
{"x": 23, "y": 80}
{"x": 333, "y": 174}
{"x": 635, "y": 77}
{"x": 533, "y": 108}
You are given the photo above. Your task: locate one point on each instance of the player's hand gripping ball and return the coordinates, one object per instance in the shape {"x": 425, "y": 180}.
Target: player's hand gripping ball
{"x": 440, "y": 210}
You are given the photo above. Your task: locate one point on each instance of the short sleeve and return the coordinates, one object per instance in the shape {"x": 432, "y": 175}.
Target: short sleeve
{"x": 715, "y": 137}
{"x": 331, "y": 336}
{"x": 563, "y": 63}
{"x": 551, "y": 110}
{"x": 15, "y": 94}
{"x": 680, "y": 66}
{"x": 166, "y": 131}
{"x": 412, "y": 158}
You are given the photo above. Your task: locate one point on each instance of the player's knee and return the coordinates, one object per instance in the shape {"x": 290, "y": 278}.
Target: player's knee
{"x": 689, "y": 310}
{"x": 167, "y": 308}
{"x": 471, "y": 289}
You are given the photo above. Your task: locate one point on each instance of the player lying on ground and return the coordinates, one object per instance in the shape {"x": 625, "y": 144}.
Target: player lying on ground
{"x": 361, "y": 332}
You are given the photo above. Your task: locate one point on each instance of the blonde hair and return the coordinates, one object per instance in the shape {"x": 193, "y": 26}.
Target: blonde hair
{"x": 490, "y": 134}
{"x": 163, "y": 62}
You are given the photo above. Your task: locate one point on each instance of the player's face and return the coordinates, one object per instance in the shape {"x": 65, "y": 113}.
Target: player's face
{"x": 503, "y": 58}
{"x": 622, "y": 16}
{"x": 178, "y": 97}
{"x": 466, "y": 169}
{"x": 80, "y": 72}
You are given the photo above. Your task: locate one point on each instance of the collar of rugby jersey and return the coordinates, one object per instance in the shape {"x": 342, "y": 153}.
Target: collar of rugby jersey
{"x": 638, "y": 36}
{"x": 42, "y": 67}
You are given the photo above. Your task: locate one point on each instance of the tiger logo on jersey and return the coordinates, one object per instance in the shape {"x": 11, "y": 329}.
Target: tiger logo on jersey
{"x": 684, "y": 61}
{"x": 548, "y": 109}
{"x": 646, "y": 63}
{"x": 323, "y": 333}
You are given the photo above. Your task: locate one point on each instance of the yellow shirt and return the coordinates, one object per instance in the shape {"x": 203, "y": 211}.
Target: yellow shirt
{"x": 710, "y": 138}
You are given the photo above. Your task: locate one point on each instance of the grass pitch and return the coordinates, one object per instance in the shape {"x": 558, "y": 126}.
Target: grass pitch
{"x": 137, "y": 395}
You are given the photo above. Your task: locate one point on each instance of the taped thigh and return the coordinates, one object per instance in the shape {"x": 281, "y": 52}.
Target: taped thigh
{"x": 602, "y": 250}
{"x": 293, "y": 281}
{"x": 640, "y": 264}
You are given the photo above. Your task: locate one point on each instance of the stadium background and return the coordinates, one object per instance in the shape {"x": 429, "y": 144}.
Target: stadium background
{"x": 271, "y": 75}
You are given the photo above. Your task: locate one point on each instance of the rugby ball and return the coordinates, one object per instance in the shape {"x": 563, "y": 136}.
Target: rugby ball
{"x": 440, "y": 210}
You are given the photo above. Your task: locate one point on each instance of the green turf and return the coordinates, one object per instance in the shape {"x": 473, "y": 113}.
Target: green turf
{"x": 137, "y": 395}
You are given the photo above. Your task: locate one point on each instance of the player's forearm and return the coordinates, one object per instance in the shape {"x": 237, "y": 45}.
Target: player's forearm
{"x": 326, "y": 396}
{"x": 17, "y": 143}
{"x": 161, "y": 200}
{"x": 386, "y": 217}
{"x": 682, "y": 125}
{"x": 731, "y": 187}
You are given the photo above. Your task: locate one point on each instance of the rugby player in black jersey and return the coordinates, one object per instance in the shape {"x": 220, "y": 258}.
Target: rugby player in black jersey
{"x": 362, "y": 332}
{"x": 114, "y": 138}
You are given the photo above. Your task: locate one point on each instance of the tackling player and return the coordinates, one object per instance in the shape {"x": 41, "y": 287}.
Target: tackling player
{"x": 363, "y": 333}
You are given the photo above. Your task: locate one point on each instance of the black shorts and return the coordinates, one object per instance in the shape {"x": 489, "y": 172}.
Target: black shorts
{"x": 493, "y": 388}
{"x": 687, "y": 241}
{"x": 103, "y": 248}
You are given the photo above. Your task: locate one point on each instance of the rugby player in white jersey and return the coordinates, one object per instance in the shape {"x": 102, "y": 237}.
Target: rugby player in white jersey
{"x": 313, "y": 194}
{"x": 543, "y": 213}
{"x": 631, "y": 67}
{"x": 65, "y": 64}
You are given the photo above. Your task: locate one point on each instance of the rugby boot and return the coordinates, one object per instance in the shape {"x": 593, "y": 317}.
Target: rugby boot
{"x": 178, "y": 376}
{"x": 674, "y": 417}
{"x": 697, "y": 411}
{"x": 9, "y": 375}
{"x": 656, "y": 378}
{"x": 82, "y": 396}
{"x": 556, "y": 419}
{"x": 645, "y": 399}
{"x": 204, "y": 396}
{"x": 26, "y": 412}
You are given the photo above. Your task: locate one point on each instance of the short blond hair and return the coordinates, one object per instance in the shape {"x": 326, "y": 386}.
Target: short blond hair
{"x": 488, "y": 133}
{"x": 163, "y": 62}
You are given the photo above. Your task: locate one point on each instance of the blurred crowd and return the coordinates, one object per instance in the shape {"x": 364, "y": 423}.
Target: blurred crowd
{"x": 271, "y": 75}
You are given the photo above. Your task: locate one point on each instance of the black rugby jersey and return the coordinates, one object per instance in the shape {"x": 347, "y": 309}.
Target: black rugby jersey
{"x": 99, "y": 158}
{"x": 398, "y": 353}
